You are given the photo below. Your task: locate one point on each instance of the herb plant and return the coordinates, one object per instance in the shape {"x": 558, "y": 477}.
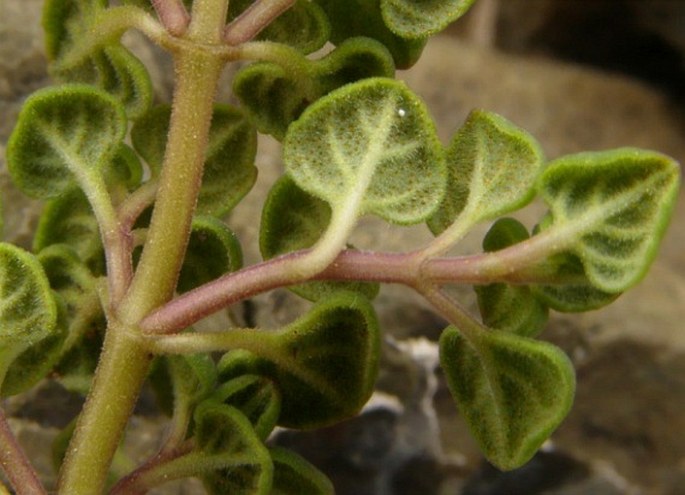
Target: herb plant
{"x": 132, "y": 248}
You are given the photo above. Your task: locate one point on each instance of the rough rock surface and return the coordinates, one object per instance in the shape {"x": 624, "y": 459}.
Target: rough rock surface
{"x": 626, "y": 432}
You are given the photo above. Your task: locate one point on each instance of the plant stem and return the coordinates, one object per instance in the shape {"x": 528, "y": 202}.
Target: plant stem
{"x": 15, "y": 464}
{"x": 124, "y": 362}
{"x": 255, "y": 18}
{"x": 173, "y": 15}
{"x": 518, "y": 264}
{"x": 155, "y": 279}
{"x": 121, "y": 370}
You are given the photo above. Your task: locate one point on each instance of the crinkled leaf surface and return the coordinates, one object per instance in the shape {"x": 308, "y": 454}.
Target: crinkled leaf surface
{"x": 303, "y": 26}
{"x": 512, "y": 391}
{"x": 492, "y": 168}
{"x": 63, "y": 133}
{"x": 422, "y": 18}
{"x": 611, "y": 210}
{"x": 257, "y": 397}
{"x": 351, "y": 18}
{"x": 511, "y": 308}
{"x": 37, "y": 360}
{"x": 328, "y": 360}
{"x": 109, "y": 66}
{"x": 68, "y": 219}
{"x": 576, "y": 296}
{"x": 229, "y": 171}
{"x": 213, "y": 250}
{"x": 293, "y": 475}
{"x": 275, "y": 95}
{"x": 233, "y": 458}
{"x": 369, "y": 147}
{"x": 28, "y": 311}
{"x": 293, "y": 219}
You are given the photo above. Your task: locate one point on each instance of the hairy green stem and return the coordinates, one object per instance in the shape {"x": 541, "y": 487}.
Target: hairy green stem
{"x": 179, "y": 184}
{"x": 124, "y": 362}
{"x": 121, "y": 370}
{"x": 15, "y": 464}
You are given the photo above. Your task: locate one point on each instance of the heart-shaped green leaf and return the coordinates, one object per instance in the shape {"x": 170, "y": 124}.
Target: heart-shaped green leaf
{"x": 422, "y": 18}
{"x": 303, "y": 26}
{"x": 68, "y": 219}
{"x": 256, "y": 397}
{"x": 276, "y": 95}
{"x": 611, "y": 209}
{"x": 293, "y": 475}
{"x": 351, "y": 18}
{"x": 229, "y": 171}
{"x": 512, "y": 391}
{"x": 369, "y": 147}
{"x": 293, "y": 220}
{"x": 233, "y": 458}
{"x": 62, "y": 134}
{"x": 28, "y": 312}
{"x": 492, "y": 168}
{"x": 510, "y": 308}
{"x": 213, "y": 250}
{"x": 328, "y": 360}
{"x": 108, "y": 66}
{"x": 33, "y": 364}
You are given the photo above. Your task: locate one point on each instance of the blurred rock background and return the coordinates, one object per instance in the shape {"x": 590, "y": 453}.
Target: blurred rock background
{"x": 579, "y": 75}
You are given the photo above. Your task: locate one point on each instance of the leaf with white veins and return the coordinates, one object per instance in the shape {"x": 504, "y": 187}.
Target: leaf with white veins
{"x": 610, "y": 209}
{"x": 369, "y": 147}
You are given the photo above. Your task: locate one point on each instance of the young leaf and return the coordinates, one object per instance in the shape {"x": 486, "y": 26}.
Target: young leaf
{"x": 229, "y": 171}
{"x": 109, "y": 66}
{"x": 512, "y": 391}
{"x": 369, "y": 147}
{"x": 351, "y": 18}
{"x": 303, "y": 26}
{"x": 293, "y": 475}
{"x": 328, "y": 359}
{"x": 420, "y": 18}
{"x": 276, "y": 95}
{"x": 492, "y": 168}
{"x": 213, "y": 250}
{"x": 63, "y": 21}
{"x": 28, "y": 311}
{"x": 68, "y": 219}
{"x": 233, "y": 458}
{"x": 256, "y": 397}
{"x": 506, "y": 307}
{"x": 292, "y": 220}
{"x": 63, "y": 133}
{"x": 611, "y": 209}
